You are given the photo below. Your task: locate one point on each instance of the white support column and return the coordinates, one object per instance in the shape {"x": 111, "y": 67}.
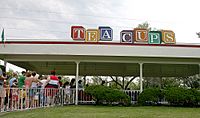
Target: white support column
{"x": 77, "y": 77}
{"x": 141, "y": 77}
{"x": 199, "y": 68}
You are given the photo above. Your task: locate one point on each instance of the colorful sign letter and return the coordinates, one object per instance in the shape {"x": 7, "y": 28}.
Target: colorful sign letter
{"x": 168, "y": 37}
{"x": 141, "y": 35}
{"x": 78, "y": 33}
{"x": 92, "y": 35}
{"x": 155, "y": 37}
{"x": 106, "y": 33}
{"x": 126, "y": 36}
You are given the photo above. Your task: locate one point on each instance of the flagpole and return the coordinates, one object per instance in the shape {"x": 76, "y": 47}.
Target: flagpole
{"x": 3, "y": 37}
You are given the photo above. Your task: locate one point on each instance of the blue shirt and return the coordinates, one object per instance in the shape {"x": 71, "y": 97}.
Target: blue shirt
{"x": 1, "y": 72}
{"x": 11, "y": 81}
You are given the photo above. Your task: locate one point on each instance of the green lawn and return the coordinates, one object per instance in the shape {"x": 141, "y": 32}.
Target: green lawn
{"x": 106, "y": 112}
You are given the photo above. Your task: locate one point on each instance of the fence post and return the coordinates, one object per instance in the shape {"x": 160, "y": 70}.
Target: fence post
{"x": 77, "y": 76}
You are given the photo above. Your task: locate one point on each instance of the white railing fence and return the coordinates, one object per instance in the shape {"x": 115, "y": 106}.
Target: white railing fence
{"x": 12, "y": 99}
{"x": 133, "y": 94}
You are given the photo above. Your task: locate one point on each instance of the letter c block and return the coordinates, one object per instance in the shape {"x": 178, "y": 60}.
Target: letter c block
{"x": 126, "y": 36}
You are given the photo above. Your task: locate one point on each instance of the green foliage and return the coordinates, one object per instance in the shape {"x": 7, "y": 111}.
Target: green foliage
{"x": 104, "y": 94}
{"x": 182, "y": 97}
{"x": 176, "y": 96}
{"x": 150, "y": 96}
{"x": 144, "y": 25}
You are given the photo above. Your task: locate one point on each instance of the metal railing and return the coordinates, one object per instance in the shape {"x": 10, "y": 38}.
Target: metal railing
{"x": 133, "y": 94}
{"x": 12, "y": 99}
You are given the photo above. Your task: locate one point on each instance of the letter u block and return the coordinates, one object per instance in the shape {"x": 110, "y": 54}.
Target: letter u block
{"x": 78, "y": 33}
{"x": 168, "y": 37}
{"x": 106, "y": 33}
{"x": 155, "y": 37}
{"x": 92, "y": 35}
{"x": 126, "y": 36}
{"x": 140, "y": 35}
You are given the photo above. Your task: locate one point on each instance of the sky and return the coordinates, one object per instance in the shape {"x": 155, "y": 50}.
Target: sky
{"x": 52, "y": 19}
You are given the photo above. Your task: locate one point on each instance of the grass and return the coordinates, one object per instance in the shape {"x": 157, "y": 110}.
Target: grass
{"x": 106, "y": 112}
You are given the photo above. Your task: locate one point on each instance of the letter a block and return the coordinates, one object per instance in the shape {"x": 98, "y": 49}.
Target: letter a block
{"x": 140, "y": 35}
{"x": 106, "y": 34}
{"x": 126, "y": 36}
{"x": 78, "y": 33}
{"x": 155, "y": 37}
{"x": 92, "y": 35}
{"x": 168, "y": 37}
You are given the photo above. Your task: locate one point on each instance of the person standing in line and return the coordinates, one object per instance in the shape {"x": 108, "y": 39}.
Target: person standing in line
{"x": 2, "y": 91}
{"x": 67, "y": 92}
{"x": 28, "y": 84}
{"x": 13, "y": 83}
{"x": 35, "y": 91}
{"x": 80, "y": 85}
{"x": 51, "y": 87}
{"x": 21, "y": 79}
{"x": 60, "y": 82}
{"x": 42, "y": 92}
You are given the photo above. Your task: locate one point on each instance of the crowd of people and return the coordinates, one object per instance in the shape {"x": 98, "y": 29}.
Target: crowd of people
{"x": 28, "y": 90}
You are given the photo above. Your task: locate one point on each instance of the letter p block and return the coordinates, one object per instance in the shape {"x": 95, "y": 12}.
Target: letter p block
{"x": 155, "y": 37}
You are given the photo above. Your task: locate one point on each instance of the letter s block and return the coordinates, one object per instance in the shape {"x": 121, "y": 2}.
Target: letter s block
{"x": 78, "y": 33}
{"x": 140, "y": 35}
{"x": 168, "y": 37}
{"x": 106, "y": 33}
{"x": 126, "y": 36}
{"x": 92, "y": 35}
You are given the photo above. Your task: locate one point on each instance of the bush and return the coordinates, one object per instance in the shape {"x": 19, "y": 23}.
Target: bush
{"x": 104, "y": 94}
{"x": 150, "y": 96}
{"x": 182, "y": 97}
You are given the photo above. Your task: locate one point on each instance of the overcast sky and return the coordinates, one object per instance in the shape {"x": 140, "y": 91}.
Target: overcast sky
{"x": 52, "y": 19}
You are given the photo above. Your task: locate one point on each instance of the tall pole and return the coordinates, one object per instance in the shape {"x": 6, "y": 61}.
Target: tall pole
{"x": 141, "y": 77}
{"x": 199, "y": 68}
{"x": 77, "y": 76}
{"x": 5, "y": 64}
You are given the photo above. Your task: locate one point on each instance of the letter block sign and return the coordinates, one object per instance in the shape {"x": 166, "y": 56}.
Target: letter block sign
{"x": 106, "y": 34}
{"x": 92, "y": 35}
{"x": 155, "y": 37}
{"x": 126, "y": 36}
{"x": 78, "y": 33}
{"x": 168, "y": 37}
{"x": 140, "y": 35}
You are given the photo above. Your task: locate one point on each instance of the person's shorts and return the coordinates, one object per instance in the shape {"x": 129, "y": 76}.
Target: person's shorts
{"x": 2, "y": 92}
{"x": 32, "y": 92}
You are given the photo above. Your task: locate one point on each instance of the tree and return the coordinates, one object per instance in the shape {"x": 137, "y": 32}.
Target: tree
{"x": 123, "y": 82}
{"x": 144, "y": 25}
{"x": 97, "y": 80}
{"x": 192, "y": 81}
